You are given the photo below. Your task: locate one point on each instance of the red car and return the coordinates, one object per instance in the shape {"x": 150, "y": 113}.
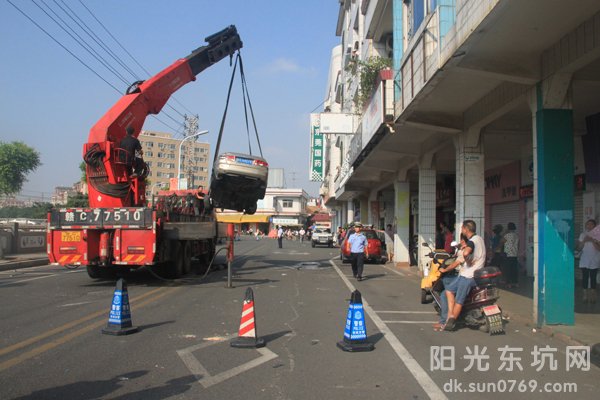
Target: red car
{"x": 377, "y": 253}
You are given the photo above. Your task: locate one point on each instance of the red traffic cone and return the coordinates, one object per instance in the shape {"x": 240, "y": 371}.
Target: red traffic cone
{"x": 119, "y": 319}
{"x": 247, "y": 333}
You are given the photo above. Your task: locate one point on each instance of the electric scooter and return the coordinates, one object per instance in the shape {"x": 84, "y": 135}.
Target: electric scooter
{"x": 480, "y": 310}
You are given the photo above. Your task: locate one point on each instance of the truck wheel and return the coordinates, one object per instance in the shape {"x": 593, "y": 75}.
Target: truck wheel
{"x": 175, "y": 264}
{"x": 187, "y": 257}
{"x": 94, "y": 272}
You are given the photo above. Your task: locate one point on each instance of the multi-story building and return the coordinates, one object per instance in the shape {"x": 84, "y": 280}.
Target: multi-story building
{"x": 490, "y": 112}
{"x": 61, "y": 195}
{"x": 161, "y": 152}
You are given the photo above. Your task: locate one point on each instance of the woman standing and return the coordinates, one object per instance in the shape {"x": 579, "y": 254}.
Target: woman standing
{"x": 510, "y": 243}
{"x": 589, "y": 262}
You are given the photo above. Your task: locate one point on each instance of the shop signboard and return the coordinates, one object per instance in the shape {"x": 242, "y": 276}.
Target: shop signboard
{"x": 285, "y": 221}
{"x": 316, "y": 149}
{"x": 502, "y": 183}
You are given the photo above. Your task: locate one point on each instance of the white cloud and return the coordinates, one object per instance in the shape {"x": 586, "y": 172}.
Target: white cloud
{"x": 286, "y": 65}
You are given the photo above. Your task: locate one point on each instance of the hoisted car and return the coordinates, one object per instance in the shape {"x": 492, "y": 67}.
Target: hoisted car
{"x": 238, "y": 182}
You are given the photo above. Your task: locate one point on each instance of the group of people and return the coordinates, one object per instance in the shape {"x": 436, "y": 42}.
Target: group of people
{"x": 292, "y": 234}
{"x": 504, "y": 249}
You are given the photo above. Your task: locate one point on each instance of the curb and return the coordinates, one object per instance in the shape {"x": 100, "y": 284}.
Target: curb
{"x": 550, "y": 332}
{"x": 36, "y": 262}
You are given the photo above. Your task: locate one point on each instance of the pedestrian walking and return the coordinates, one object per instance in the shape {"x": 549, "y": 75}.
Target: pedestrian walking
{"x": 589, "y": 262}
{"x": 302, "y": 233}
{"x": 358, "y": 250}
{"x": 389, "y": 242}
{"x": 280, "y": 237}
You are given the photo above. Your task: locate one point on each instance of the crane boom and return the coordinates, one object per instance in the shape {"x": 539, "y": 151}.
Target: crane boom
{"x": 109, "y": 183}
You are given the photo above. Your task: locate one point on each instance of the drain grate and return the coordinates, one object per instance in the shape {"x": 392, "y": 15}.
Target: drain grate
{"x": 310, "y": 265}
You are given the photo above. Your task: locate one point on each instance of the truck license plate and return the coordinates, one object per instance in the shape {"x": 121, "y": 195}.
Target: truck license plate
{"x": 491, "y": 310}
{"x": 68, "y": 236}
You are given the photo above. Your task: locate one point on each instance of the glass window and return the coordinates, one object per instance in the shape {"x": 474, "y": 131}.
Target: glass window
{"x": 287, "y": 203}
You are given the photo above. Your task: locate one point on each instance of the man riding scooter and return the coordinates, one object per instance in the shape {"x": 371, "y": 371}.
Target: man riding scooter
{"x": 454, "y": 295}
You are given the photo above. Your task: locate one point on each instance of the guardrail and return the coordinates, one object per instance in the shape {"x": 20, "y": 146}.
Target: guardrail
{"x": 19, "y": 239}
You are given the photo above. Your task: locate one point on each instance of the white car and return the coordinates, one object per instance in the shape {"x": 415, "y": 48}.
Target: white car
{"x": 238, "y": 181}
{"x": 323, "y": 237}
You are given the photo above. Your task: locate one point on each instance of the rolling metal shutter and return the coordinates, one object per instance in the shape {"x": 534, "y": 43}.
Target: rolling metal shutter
{"x": 504, "y": 213}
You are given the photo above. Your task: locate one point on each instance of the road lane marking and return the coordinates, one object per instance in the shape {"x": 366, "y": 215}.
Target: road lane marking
{"x": 421, "y": 376}
{"x": 76, "y": 304}
{"x": 66, "y": 326}
{"x": 204, "y": 377}
{"x": 405, "y": 312}
{"x": 410, "y": 322}
{"x": 64, "y": 339}
{"x": 8, "y": 283}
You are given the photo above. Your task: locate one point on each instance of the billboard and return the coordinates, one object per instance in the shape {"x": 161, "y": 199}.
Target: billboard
{"x": 316, "y": 149}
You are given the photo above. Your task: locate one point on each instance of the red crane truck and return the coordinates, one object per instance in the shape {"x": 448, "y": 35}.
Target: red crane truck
{"x": 120, "y": 229}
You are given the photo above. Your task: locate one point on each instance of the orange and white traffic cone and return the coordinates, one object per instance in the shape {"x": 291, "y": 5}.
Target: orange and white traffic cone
{"x": 247, "y": 337}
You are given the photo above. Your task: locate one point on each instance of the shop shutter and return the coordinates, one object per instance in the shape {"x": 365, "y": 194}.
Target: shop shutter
{"x": 578, "y": 222}
{"x": 504, "y": 213}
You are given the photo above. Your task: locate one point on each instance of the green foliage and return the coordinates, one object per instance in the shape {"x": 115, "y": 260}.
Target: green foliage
{"x": 367, "y": 73}
{"x": 16, "y": 161}
{"x": 38, "y": 210}
{"x": 78, "y": 200}
{"x": 83, "y": 177}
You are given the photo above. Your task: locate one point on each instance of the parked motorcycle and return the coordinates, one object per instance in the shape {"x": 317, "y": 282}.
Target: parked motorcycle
{"x": 480, "y": 309}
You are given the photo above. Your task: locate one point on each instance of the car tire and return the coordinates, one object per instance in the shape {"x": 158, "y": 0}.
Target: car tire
{"x": 251, "y": 209}
{"x": 312, "y": 244}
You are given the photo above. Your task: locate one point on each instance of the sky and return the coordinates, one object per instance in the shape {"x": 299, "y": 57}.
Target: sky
{"x": 49, "y": 100}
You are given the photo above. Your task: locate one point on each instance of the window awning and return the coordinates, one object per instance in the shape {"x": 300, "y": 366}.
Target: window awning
{"x": 241, "y": 218}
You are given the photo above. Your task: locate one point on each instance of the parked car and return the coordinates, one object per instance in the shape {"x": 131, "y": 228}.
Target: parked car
{"x": 322, "y": 236}
{"x": 238, "y": 182}
{"x": 377, "y": 253}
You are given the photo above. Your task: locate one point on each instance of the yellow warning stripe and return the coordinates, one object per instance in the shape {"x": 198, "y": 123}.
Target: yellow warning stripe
{"x": 140, "y": 258}
{"x": 59, "y": 329}
{"x": 64, "y": 339}
{"x": 129, "y": 257}
{"x": 63, "y": 259}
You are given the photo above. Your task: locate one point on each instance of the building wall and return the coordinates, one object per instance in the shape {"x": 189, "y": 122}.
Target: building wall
{"x": 161, "y": 152}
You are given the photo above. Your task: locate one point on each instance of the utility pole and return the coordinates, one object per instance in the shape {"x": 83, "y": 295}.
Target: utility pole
{"x": 190, "y": 128}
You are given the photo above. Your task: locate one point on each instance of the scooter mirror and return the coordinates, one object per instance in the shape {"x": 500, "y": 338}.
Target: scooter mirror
{"x": 424, "y": 244}
{"x": 454, "y": 243}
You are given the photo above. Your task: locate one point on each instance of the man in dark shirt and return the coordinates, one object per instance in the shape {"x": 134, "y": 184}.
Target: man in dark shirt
{"x": 131, "y": 145}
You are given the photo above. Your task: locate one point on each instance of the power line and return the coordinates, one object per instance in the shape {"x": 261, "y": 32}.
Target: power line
{"x": 132, "y": 57}
{"x": 64, "y": 47}
{"x": 97, "y": 39}
{"x": 77, "y": 58}
{"x": 90, "y": 50}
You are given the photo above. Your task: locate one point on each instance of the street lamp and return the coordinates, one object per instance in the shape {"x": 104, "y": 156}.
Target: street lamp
{"x": 179, "y": 161}
{"x": 159, "y": 184}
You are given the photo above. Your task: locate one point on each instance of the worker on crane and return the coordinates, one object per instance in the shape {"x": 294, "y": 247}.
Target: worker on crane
{"x": 131, "y": 153}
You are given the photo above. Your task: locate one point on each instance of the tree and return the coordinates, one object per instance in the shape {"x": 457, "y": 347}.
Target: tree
{"x": 16, "y": 161}
{"x": 78, "y": 200}
{"x": 83, "y": 177}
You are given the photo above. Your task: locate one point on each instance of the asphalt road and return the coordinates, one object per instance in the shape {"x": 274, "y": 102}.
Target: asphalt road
{"x": 51, "y": 345}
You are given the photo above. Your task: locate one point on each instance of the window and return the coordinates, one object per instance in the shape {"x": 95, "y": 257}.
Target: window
{"x": 149, "y": 154}
{"x": 287, "y": 203}
{"x": 159, "y": 164}
{"x": 160, "y": 155}
{"x": 149, "y": 144}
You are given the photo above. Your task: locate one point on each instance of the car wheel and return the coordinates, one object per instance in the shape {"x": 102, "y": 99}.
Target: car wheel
{"x": 312, "y": 244}
{"x": 251, "y": 209}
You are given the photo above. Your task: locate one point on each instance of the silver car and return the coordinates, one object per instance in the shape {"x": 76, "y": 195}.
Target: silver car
{"x": 238, "y": 181}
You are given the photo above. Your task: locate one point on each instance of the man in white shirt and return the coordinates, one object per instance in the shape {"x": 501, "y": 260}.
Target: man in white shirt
{"x": 280, "y": 237}
{"x": 474, "y": 259}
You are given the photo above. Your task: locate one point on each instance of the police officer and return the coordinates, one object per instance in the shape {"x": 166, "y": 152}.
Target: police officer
{"x": 359, "y": 248}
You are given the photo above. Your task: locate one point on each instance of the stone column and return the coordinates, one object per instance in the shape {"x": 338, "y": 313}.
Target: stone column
{"x": 553, "y": 183}
{"x": 470, "y": 183}
{"x": 402, "y": 220}
{"x": 350, "y": 211}
{"x": 427, "y": 208}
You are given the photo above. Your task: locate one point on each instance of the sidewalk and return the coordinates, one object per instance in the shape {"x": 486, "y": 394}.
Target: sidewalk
{"x": 16, "y": 261}
{"x": 517, "y": 303}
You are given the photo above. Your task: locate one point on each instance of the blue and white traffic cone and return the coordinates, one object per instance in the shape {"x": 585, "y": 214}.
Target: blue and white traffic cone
{"x": 119, "y": 319}
{"x": 355, "y": 332}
